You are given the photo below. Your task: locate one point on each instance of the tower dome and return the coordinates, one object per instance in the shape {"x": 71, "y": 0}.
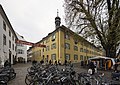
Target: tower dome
{"x": 57, "y": 20}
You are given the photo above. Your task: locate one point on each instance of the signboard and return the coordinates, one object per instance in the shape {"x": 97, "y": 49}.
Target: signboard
{"x": 29, "y": 43}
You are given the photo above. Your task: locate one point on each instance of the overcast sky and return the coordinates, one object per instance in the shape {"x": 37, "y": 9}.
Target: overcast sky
{"x": 33, "y": 19}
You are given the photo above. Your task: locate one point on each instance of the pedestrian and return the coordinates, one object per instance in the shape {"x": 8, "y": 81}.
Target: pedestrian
{"x": 50, "y": 62}
{"x": 56, "y": 62}
{"x": 47, "y": 61}
{"x": 71, "y": 64}
{"x": 42, "y": 62}
{"x": 115, "y": 67}
{"x": 65, "y": 62}
{"x": 95, "y": 66}
{"x": 7, "y": 63}
{"x": 34, "y": 62}
{"x": 59, "y": 62}
{"x": 91, "y": 67}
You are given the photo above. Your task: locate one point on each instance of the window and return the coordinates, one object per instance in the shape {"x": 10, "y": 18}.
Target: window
{"x": 67, "y": 36}
{"x": 81, "y": 57}
{"x": 67, "y": 56}
{"x": 75, "y": 48}
{"x": 47, "y": 48}
{"x": 85, "y": 57}
{"x": 20, "y": 45}
{"x": 40, "y": 52}
{"x": 20, "y": 51}
{"x": 67, "y": 46}
{"x": 9, "y": 33}
{"x": 47, "y": 40}
{"x": 53, "y": 37}
{"x": 16, "y": 48}
{"x": 53, "y": 46}
{"x": 37, "y": 53}
{"x": 75, "y": 57}
{"x": 13, "y": 37}
{"x": 13, "y": 46}
{"x": 75, "y": 41}
{"x": 4, "y": 26}
{"x": 4, "y": 39}
{"x": 81, "y": 49}
{"x": 85, "y": 50}
{"x": 9, "y": 44}
{"x": 53, "y": 56}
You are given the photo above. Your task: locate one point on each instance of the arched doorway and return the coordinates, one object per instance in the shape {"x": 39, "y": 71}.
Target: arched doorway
{"x": 20, "y": 60}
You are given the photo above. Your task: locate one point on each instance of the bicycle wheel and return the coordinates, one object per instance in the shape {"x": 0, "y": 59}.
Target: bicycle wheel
{"x": 36, "y": 83}
{"x": 3, "y": 83}
{"x": 68, "y": 82}
{"x": 12, "y": 75}
{"x": 4, "y": 79}
{"x": 28, "y": 79}
{"x": 55, "y": 81}
{"x": 84, "y": 81}
{"x": 77, "y": 82}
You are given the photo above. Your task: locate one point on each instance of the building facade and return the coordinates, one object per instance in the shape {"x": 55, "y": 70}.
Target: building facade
{"x": 21, "y": 50}
{"x": 63, "y": 44}
{"x": 7, "y": 39}
{"x": 29, "y": 54}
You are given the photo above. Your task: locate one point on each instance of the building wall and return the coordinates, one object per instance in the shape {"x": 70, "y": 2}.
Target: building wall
{"x": 23, "y": 49}
{"x": 5, "y": 50}
{"x": 60, "y": 50}
{"x": 91, "y": 50}
{"x": 38, "y": 52}
{"x": 23, "y": 54}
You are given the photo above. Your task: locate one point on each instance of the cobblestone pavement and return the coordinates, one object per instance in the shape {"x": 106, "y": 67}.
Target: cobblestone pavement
{"x": 21, "y": 71}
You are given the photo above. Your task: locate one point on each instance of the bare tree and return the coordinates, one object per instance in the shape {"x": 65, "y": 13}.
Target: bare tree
{"x": 98, "y": 20}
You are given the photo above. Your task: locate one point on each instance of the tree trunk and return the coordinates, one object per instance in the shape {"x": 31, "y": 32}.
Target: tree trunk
{"x": 110, "y": 52}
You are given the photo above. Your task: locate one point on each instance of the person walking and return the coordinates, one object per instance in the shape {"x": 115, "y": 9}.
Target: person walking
{"x": 7, "y": 63}
{"x": 115, "y": 67}
{"x": 56, "y": 62}
{"x": 91, "y": 67}
{"x": 65, "y": 62}
{"x": 50, "y": 62}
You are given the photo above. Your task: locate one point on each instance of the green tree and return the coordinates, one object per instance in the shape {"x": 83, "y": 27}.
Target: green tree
{"x": 98, "y": 20}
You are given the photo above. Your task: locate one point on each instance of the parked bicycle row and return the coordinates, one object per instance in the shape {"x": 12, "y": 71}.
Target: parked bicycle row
{"x": 7, "y": 73}
{"x": 96, "y": 79}
{"x": 50, "y": 75}
{"x": 55, "y": 75}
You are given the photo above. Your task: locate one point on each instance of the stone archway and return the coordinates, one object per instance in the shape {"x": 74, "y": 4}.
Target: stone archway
{"x": 20, "y": 59}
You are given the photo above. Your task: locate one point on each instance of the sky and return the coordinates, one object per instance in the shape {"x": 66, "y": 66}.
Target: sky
{"x": 33, "y": 19}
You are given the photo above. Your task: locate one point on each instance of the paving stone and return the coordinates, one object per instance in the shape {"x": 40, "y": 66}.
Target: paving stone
{"x": 21, "y": 71}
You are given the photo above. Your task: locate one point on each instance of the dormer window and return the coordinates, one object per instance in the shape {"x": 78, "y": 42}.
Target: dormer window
{"x": 76, "y": 41}
{"x": 67, "y": 36}
{"x": 53, "y": 37}
{"x": 53, "y": 46}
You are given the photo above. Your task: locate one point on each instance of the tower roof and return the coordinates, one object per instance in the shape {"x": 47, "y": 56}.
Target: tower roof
{"x": 57, "y": 20}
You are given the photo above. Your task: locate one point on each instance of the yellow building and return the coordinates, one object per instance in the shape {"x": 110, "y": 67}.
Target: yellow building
{"x": 63, "y": 44}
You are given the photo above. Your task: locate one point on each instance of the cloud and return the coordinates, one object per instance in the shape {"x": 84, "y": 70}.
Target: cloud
{"x": 33, "y": 19}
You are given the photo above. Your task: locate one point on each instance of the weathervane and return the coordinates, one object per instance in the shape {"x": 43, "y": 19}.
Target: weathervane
{"x": 57, "y": 12}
